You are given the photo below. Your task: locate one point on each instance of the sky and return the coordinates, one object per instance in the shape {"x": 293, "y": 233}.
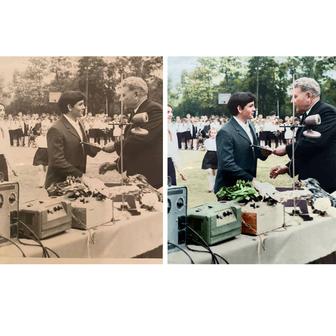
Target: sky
{"x": 9, "y": 64}
{"x": 176, "y": 65}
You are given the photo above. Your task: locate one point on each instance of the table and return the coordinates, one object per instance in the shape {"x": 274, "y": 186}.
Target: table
{"x": 298, "y": 243}
{"x": 127, "y": 238}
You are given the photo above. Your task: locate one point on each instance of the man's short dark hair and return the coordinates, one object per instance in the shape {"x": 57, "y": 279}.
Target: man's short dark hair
{"x": 69, "y": 98}
{"x": 239, "y": 99}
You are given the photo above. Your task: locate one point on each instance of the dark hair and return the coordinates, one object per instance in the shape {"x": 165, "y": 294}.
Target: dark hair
{"x": 170, "y": 106}
{"x": 69, "y": 98}
{"x": 240, "y": 99}
{"x": 2, "y": 104}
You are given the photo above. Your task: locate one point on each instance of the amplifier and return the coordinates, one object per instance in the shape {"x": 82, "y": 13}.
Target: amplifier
{"x": 91, "y": 213}
{"x": 9, "y": 208}
{"x": 45, "y": 218}
{"x": 216, "y": 222}
{"x": 177, "y": 214}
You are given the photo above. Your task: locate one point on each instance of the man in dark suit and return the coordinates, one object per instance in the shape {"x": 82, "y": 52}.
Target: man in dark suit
{"x": 66, "y": 153}
{"x": 314, "y": 157}
{"x": 237, "y": 159}
{"x": 142, "y": 154}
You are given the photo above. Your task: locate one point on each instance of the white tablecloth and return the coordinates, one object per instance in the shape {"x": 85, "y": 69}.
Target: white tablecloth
{"x": 123, "y": 239}
{"x": 299, "y": 243}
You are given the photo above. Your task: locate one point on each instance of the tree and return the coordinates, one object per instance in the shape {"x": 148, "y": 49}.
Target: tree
{"x": 91, "y": 80}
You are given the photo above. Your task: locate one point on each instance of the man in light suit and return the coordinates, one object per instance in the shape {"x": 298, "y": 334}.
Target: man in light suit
{"x": 237, "y": 159}
{"x": 66, "y": 153}
{"x": 142, "y": 154}
{"x": 314, "y": 157}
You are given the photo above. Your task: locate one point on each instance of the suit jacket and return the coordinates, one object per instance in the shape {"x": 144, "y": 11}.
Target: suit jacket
{"x": 316, "y": 158}
{"x": 66, "y": 155}
{"x": 237, "y": 160}
{"x": 143, "y": 154}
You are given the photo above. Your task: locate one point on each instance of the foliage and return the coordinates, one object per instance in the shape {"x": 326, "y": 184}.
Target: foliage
{"x": 97, "y": 77}
{"x": 269, "y": 78}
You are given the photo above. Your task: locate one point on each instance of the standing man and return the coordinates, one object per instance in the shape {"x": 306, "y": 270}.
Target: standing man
{"x": 237, "y": 159}
{"x": 66, "y": 154}
{"x": 142, "y": 154}
{"x": 314, "y": 157}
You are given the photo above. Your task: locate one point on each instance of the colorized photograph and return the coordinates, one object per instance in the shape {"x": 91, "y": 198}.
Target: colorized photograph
{"x": 251, "y": 160}
{"x": 81, "y": 159}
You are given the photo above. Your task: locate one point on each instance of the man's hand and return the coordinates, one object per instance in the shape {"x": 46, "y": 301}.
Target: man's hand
{"x": 109, "y": 148}
{"x": 107, "y": 166}
{"x": 278, "y": 170}
{"x": 280, "y": 151}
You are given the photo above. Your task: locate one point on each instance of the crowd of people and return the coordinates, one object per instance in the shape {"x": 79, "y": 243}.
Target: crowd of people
{"x": 22, "y": 129}
{"x": 191, "y": 131}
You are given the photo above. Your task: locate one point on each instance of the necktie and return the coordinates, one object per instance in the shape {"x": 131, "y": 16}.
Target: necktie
{"x": 304, "y": 116}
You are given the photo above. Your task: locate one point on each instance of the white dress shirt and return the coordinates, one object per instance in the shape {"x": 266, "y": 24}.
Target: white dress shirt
{"x": 75, "y": 125}
{"x": 246, "y": 128}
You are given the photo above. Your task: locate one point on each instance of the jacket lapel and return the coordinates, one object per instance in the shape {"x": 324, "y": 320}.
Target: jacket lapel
{"x": 239, "y": 130}
{"x": 254, "y": 135}
{"x": 81, "y": 126}
{"x": 69, "y": 127}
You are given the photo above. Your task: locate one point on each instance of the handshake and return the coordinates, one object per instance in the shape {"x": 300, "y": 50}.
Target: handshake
{"x": 110, "y": 148}
{"x": 279, "y": 151}
{"x": 279, "y": 170}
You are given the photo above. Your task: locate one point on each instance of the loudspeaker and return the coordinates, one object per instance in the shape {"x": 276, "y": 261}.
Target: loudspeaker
{"x": 177, "y": 215}
{"x": 9, "y": 210}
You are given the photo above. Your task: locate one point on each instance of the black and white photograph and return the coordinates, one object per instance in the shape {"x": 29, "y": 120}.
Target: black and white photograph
{"x": 81, "y": 158}
{"x": 251, "y": 160}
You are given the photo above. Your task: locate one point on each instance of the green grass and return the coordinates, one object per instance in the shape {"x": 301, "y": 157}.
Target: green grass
{"x": 197, "y": 181}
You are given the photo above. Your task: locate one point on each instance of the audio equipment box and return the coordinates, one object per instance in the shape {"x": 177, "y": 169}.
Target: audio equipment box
{"x": 45, "y": 218}
{"x": 9, "y": 208}
{"x": 215, "y": 222}
{"x": 177, "y": 215}
{"x": 88, "y": 212}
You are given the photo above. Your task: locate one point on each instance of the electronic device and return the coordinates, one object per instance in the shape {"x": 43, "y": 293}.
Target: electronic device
{"x": 215, "y": 222}
{"x": 9, "y": 208}
{"x": 45, "y": 218}
{"x": 88, "y": 212}
{"x": 177, "y": 215}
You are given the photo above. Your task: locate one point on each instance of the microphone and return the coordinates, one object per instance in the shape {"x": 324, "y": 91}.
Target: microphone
{"x": 311, "y": 121}
{"x": 140, "y": 118}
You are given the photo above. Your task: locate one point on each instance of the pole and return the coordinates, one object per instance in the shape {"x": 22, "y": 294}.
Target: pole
{"x": 122, "y": 131}
{"x": 87, "y": 90}
{"x": 122, "y": 143}
{"x": 258, "y": 85}
{"x": 107, "y": 106}
{"x": 278, "y": 108}
{"x": 293, "y": 147}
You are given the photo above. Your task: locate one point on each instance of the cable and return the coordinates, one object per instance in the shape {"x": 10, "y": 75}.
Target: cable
{"x": 47, "y": 248}
{"x": 221, "y": 257}
{"x": 200, "y": 251}
{"x": 13, "y": 242}
{"x": 197, "y": 241}
{"x": 184, "y": 251}
{"x": 204, "y": 244}
{"x": 45, "y": 251}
